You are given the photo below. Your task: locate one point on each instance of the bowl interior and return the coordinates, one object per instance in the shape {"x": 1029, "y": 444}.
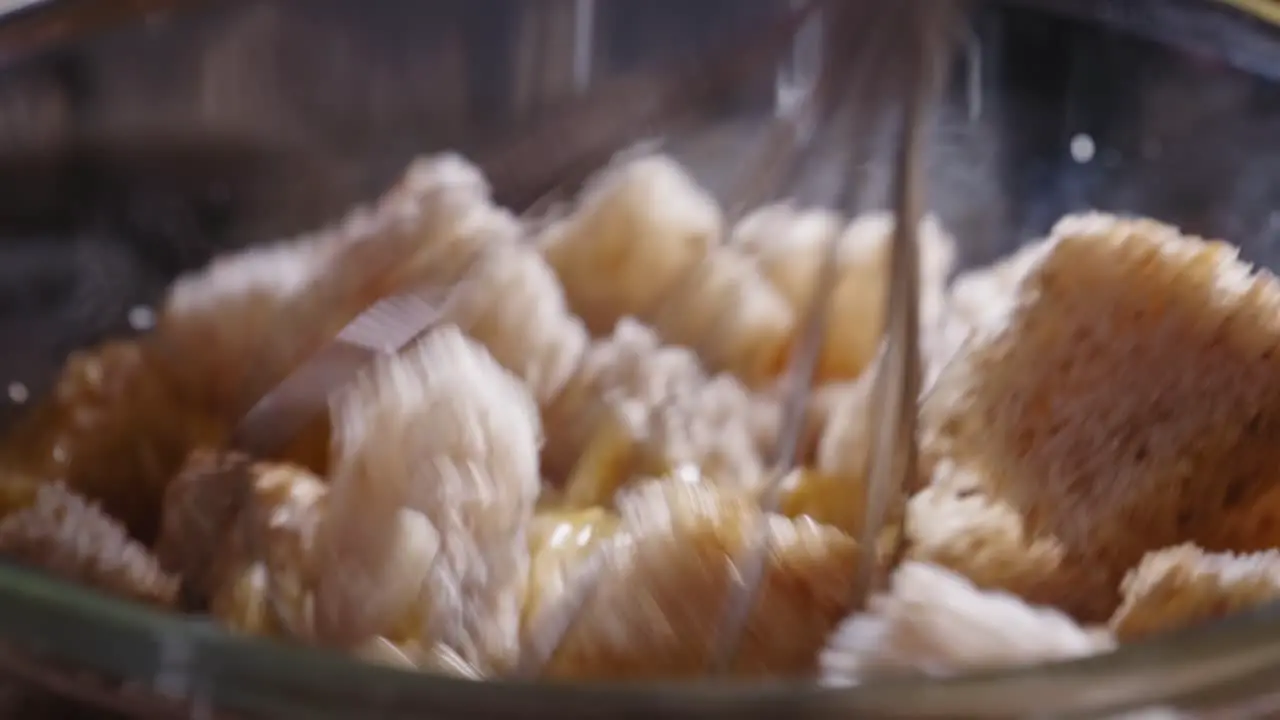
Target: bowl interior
{"x": 137, "y": 155}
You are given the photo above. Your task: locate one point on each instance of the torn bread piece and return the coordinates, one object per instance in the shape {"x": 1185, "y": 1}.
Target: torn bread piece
{"x": 790, "y": 245}
{"x": 270, "y": 569}
{"x": 420, "y": 539}
{"x": 986, "y": 541}
{"x": 1130, "y": 402}
{"x": 731, "y": 315}
{"x": 70, "y": 537}
{"x": 512, "y": 303}
{"x": 1182, "y": 586}
{"x": 935, "y": 622}
{"x": 441, "y": 429}
{"x": 447, "y": 206}
{"x": 631, "y": 364}
{"x": 661, "y": 594}
{"x": 639, "y": 227}
{"x": 981, "y": 299}
{"x": 114, "y": 430}
{"x": 264, "y": 310}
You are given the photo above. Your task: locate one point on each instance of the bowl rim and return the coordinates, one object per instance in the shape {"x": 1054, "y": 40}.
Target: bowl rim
{"x": 192, "y": 659}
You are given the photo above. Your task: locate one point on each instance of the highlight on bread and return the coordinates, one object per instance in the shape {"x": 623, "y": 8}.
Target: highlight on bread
{"x": 599, "y": 401}
{"x": 72, "y": 538}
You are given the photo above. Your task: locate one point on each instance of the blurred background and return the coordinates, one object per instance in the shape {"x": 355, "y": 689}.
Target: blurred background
{"x": 141, "y": 152}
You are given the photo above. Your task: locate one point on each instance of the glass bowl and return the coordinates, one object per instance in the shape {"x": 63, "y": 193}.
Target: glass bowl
{"x": 148, "y": 147}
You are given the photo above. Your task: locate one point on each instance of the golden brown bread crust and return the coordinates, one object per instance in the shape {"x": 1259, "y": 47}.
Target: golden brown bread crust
{"x": 731, "y": 315}
{"x": 985, "y": 540}
{"x": 1131, "y": 401}
{"x": 201, "y": 507}
{"x": 444, "y": 431}
{"x": 664, "y": 589}
{"x": 1184, "y": 585}
{"x": 113, "y": 430}
{"x": 70, "y": 537}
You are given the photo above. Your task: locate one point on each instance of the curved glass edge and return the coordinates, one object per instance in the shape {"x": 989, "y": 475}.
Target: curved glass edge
{"x": 1243, "y": 33}
{"x": 194, "y": 660}
{"x": 1265, "y": 10}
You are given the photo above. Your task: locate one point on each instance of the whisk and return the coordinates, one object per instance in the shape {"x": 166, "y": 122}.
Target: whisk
{"x": 859, "y": 84}
{"x": 880, "y": 64}
{"x": 919, "y": 26}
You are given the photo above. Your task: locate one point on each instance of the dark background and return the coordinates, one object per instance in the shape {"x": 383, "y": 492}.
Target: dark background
{"x": 140, "y": 153}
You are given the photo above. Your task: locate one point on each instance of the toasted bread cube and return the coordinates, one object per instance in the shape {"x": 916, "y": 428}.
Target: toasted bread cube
{"x": 985, "y": 540}
{"x": 1130, "y": 402}
{"x": 70, "y": 537}
{"x": 1184, "y": 585}
{"x": 629, "y": 365}
{"x": 641, "y": 224}
{"x": 662, "y": 593}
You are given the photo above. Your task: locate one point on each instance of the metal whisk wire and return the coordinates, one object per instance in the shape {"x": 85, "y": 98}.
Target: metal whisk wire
{"x": 896, "y": 389}
{"x": 912, "y": 23}
{"x": 863, "y": 76}
{"x": 783, "y": 148}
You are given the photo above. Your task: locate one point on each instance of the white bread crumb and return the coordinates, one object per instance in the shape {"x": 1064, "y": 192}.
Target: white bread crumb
{"x": 935, "y": 622}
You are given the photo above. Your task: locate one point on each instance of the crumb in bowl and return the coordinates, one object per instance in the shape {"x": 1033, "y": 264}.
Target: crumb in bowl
{"x": 603, "y": 391}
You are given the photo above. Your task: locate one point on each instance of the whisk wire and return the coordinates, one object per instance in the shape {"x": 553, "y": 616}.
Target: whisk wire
{"x": 896, "y": 387}
{"x": 785, "y": 147}
{"x": 899, "y": 378}
{"x": 859, "y": 76}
